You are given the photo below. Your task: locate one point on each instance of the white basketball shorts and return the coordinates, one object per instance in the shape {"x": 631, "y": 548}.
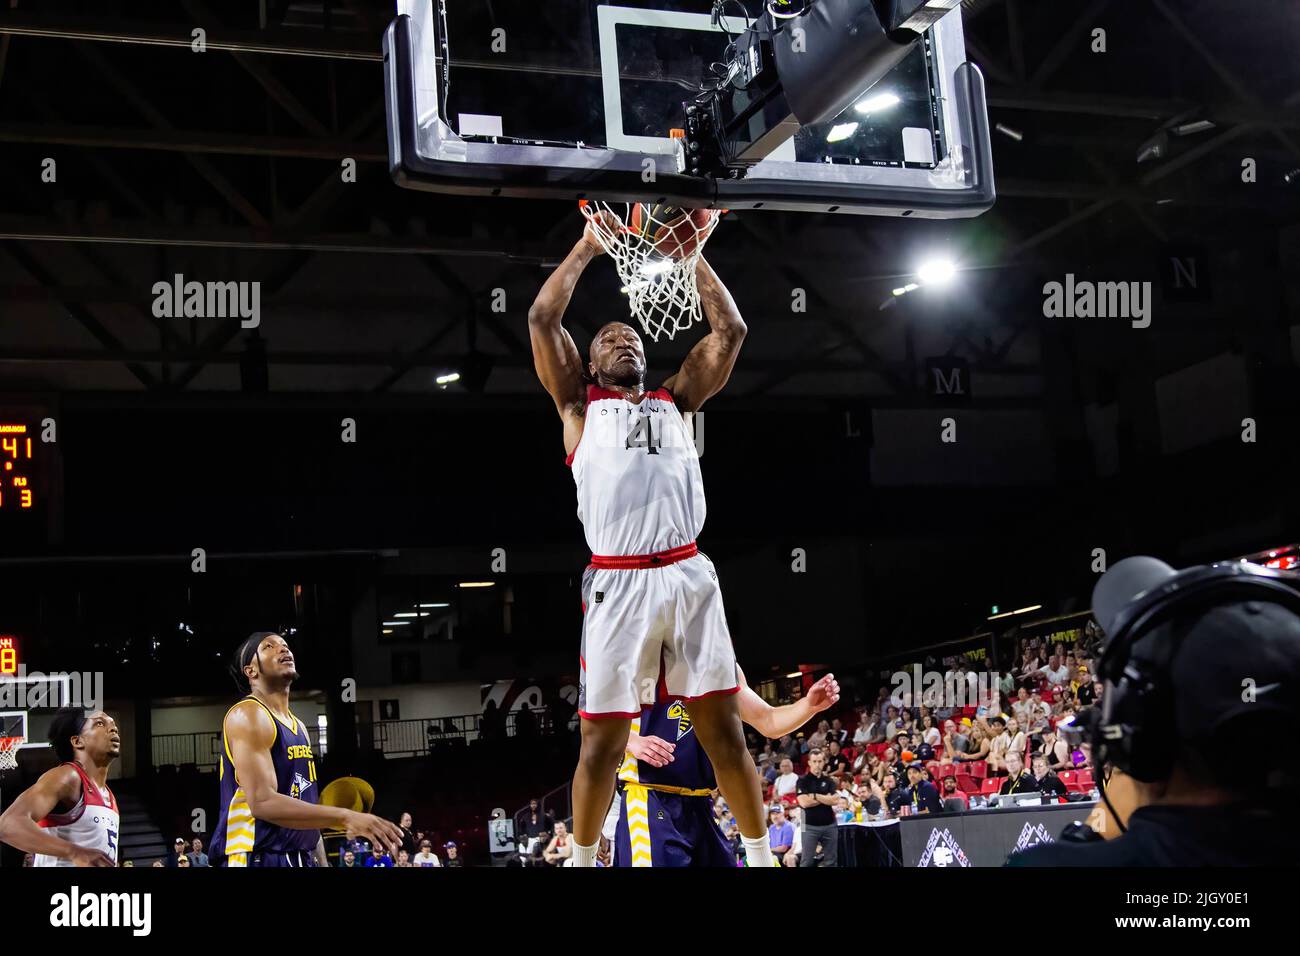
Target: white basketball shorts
{"x": 649, "y": 633}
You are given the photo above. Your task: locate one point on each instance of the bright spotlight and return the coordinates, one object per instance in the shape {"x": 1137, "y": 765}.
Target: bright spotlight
{"x": 936, "y": 272}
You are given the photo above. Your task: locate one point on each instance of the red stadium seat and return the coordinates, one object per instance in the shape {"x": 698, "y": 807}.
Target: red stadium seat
{"x": 978, "y": 768}
{"x": 968, "y": 784}
{"x": 1069, "y": 778}
{"x": 991, "y": 785}
{"x": 1085, "y": 779}
{"x": 942, "y": 770}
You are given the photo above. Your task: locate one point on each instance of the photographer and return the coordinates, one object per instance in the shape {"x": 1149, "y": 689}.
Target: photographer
{"x": 1195, "y": 661}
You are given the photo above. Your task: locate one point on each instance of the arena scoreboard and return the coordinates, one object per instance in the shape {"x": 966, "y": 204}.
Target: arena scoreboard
{"x": 30, "y": 475}
{"x": 8, "y": 655}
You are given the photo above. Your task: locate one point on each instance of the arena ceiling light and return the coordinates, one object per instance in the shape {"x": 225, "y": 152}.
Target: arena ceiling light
{"x": 445, "y": 380}
{"x": 936, "y": 271}
{"x": 1023, "y": 610}
{"x": 443, "y": 604}
{"x": 795, "y": 674}
{"x": 397, "y": 623}
{"x": 477, "y": 584}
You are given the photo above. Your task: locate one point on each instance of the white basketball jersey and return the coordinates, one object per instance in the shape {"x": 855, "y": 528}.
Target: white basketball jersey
{"x": 93, "y": 823}
{"x": 638, "y": 475}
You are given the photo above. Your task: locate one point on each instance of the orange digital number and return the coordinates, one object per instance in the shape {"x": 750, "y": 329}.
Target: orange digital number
{"x": 26, "y": 500}
{"x": 8, "y": 660}
{"x": 9, "y": 446}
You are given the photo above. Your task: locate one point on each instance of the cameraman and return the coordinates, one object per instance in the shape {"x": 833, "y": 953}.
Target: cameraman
{"x": 1195, "y": 662}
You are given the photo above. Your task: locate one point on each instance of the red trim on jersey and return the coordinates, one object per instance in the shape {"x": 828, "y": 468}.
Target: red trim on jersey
{"x": 657, "y": 560}
{"x": 90, "y": 797}
{"x": 596, "y": 393}
{"x": 613, "y": 713}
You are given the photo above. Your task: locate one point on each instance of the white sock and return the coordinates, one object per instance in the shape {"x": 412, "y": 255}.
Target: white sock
{"x": 758, "y": 852}
{"x": 584, "y": 855}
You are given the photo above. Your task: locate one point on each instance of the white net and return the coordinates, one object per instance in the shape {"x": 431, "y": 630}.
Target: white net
{"x": 9, "y": 752}
{"x": 655, "y": 249}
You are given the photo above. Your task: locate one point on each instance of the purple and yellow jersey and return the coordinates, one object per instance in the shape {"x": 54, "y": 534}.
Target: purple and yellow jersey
{"x": 690, "y": 772}
{"x": 239, "y": 834}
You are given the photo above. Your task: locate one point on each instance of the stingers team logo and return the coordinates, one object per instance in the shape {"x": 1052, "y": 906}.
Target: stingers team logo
{"x": 678, "y": 713}
{"x": 299, "y": 787}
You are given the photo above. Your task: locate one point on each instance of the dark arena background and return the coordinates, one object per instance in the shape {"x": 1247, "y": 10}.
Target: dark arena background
{"x": 371, "y": 468}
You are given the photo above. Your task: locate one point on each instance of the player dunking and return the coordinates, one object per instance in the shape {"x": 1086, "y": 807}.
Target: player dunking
{"x": 270, "y": 812}
{"x": 653, "y": 614}
{"x": 665, "y": 814}
{"x": 69, "y": 816}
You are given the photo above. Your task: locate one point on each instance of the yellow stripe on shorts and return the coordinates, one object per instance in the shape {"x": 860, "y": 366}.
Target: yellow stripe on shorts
{"x": 636, "y": 803}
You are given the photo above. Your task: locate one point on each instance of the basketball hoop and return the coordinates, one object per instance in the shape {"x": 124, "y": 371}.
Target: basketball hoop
{"x": 9, "y": 752}
{"x": 655, "y": 249}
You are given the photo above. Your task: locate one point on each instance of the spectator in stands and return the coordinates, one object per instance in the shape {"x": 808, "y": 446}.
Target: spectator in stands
{"x": 426, "y": 857}
{"x": 561, "y": 846}
{"x": 789, "y": 748}
{"x": 1021, "y": 706}
{"x": 1048, "y": 782}
{"x": 837, "y": 764}
{"x": 893, "y": 795}
{"x": 979, "y": 746}
{"x": 155, "y": 862}
{"x": 999, "y": 741}
{"x": 843, "y": 810}
{"x": 358, "y": 846}
{"x": 817, "y": 795}
{"x": 1056, "y": 751}
{"x": 178, "y": 851}
{"x": 454, "y": 858}
{"x": 951, "y": 794}
{"x": 930, "y": 733}
{"x": 894, "y": 724}
{"x": 403, "y": 859}
{"x": 819, "y": 737}
{"x": 780, "y": 831}
{"x": 183, "y": 862}
{"x": 885, "y": 765}
{"x": 922, "y": 795}
{"x": 1084, "y": 687}
{"x": 378, "y": 859}
{"x": 348, "y": 861}
{"x": 1018, "y": 742}
{"x": 535, "y": 822}
{"x": 406, "y": 825}
{"x": 788, "y": 781}
{"x": 197, "y": 857}
{"x": 863, "y": 764}
{"x": 955, "y": 741}
{"x": 1019, "y": 780}
{"x": 861, "y": 735}
{"x": 1055, "y": 672}
{"x": 838, "y": 733}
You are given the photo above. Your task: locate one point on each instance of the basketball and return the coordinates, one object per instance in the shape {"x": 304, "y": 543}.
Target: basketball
{"x": 677, "y": 232}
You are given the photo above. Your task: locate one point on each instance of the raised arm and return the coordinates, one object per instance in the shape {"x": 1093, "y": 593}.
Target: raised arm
{"x": 250, "y": 734}
{"x": 555, "y": 357}
{"x": 20, "y": 824}
{"x": 709, "y": 364}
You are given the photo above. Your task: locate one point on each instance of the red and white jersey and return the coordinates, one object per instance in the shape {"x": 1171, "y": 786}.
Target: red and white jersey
{"x": 638, "y": 475}
{"x": 93, "y": 823}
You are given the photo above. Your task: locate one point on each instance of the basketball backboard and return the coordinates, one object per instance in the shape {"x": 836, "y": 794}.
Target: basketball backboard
{"x": 575, "y": 99}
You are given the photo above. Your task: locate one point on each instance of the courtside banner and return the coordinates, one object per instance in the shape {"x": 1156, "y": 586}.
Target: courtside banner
{"x": 984, "y": 837}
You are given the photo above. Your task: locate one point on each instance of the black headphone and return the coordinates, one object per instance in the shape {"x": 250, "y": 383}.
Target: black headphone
{"x": 1136, "y": 724}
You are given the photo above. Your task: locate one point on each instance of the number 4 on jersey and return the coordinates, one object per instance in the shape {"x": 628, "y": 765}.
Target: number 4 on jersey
{"x": 642, "y": 436}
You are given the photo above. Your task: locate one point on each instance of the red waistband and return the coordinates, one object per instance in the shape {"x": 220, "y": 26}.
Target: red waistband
{"x": 657, "y": 560}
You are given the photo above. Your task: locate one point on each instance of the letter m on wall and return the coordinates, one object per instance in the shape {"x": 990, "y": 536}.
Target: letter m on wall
{"x": 948, "y": 379}
{"x": 1185, "y": 274}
